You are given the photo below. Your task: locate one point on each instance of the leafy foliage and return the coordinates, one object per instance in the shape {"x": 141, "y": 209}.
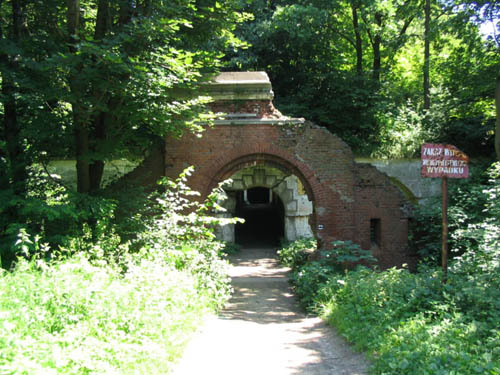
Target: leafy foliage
{"x": 307, "y": 277}
{"x": 181, "y": 231}
{"x": 412, "y": 323}
{"x": 99, "y": 303}
{"x": 471, "y": 208}
{"x": 76, "y": 316}
{"x": 294, "y": 254}
{"x": 55, "y": 213}
{"x": 356, "y": 68}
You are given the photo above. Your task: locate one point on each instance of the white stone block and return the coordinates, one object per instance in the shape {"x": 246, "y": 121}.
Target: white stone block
{"x": 302, "y": 227}
{"x": 290, "y": 234}
{"x": 291, "y": 208}
{"x": 259, "y": 177}
{"x": 270, "y": 181}
{"x": 304, "y": 206}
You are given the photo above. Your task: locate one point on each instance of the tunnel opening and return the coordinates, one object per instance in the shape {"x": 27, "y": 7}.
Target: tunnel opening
{"x": 264, "y": 216}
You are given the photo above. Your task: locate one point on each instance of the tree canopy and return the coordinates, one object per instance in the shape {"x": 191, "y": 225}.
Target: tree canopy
{"x": 96, "y": 80}
{"x": 384, "y": 75}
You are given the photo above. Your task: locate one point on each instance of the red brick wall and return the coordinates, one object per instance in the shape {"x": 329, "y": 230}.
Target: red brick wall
{"x": 261, "y": 108}
{"x": 345, "y": 195}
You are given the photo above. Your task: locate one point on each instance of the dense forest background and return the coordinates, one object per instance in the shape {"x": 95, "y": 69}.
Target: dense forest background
{"x": 99, "y": 80}
{"x": 111, "y": 280}
{"x": 384, "y": 75}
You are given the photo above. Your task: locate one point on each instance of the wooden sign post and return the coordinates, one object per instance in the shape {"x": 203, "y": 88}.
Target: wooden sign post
{"x": 445, "y": 161}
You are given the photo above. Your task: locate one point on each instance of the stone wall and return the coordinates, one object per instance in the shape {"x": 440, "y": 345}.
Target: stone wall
{"x": 407, "y": 172}
{"x": 66, "y": 170}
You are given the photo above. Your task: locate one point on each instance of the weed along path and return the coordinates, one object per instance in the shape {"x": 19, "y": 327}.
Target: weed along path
{"x": 263, "y": 331}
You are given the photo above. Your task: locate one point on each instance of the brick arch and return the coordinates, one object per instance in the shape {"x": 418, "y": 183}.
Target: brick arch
{"x": 347, "y": 197}
{"x": 227, "y": 167}
{"x": 230, "y": 167}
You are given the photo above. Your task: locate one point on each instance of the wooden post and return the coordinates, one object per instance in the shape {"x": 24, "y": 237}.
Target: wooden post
{"x": 444, "y": 161}
{"x": 444, "y": 247}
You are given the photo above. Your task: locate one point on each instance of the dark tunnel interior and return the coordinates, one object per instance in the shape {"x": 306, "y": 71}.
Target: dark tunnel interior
{"x": 264, "y": 216}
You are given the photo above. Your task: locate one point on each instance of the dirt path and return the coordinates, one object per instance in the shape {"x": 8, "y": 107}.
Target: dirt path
{"x": 263, "y": 331}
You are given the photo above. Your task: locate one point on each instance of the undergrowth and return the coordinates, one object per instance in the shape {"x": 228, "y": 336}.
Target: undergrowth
{"x": 100, "y": 304}
{"x": 412, "y": 323}
{"x": 76, "y": 317}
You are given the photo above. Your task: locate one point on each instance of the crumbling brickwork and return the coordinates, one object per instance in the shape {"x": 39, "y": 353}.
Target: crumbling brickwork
{"x": 350, "y": 201}
{"x": 347, "y": 197}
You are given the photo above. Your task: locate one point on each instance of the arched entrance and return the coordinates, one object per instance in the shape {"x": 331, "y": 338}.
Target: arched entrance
{"x": 273, "y": 201}
{"x": 324, "y": 192}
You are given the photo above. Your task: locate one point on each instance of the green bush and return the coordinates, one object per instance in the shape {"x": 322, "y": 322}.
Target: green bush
{"x": 294, "y": 254}
{"x": 348, "y": 253}
{"x": 99, "y": 304}
{"x": 470, "y": 205}
{"x": 76, "y": 317}
{"x": 412, "y": 324}
{"x": 181, "y": 232}
{"x": 308, "y": 278}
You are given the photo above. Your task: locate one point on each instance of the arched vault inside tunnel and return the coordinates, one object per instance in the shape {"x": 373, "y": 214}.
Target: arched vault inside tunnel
{"x": 273, "y": 203}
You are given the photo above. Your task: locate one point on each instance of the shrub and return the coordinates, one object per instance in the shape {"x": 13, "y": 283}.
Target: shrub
{"x": 470, "y": 206}
{"x": 181, "y": 232}
{"x": 308, "y": 278}
{"x": 294, "y": 254}
{"x": 345, "y": 253}
{"x": 102, "y": 305}
{"x": 76, "y": 317}
{"x": 412, "y": 324}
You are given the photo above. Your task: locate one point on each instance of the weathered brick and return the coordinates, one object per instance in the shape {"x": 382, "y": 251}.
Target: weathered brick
{"x": 345, "y": 195}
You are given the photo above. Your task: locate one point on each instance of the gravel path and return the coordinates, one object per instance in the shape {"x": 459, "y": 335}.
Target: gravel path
{"x": 263, "y": 331}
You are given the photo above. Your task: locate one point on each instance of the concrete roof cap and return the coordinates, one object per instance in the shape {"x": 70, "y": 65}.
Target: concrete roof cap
{"x": 242, "y": 77}
{"x": 239, "y": 86}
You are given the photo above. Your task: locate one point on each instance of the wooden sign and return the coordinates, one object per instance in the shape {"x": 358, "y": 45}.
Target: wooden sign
{"x": 443, "y": 161}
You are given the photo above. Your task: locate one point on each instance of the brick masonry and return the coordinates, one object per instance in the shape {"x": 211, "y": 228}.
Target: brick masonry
{"x": 345, "y": 195}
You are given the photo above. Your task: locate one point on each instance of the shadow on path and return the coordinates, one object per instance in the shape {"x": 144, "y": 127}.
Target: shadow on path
{"x": 262, "y": 330}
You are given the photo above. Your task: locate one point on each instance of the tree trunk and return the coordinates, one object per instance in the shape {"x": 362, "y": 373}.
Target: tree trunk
{"x": 82, "y": 151}
{"x": 12, "y": 129}
{"x": 377, "y": 60}
{"x": 73, "y": 20}
{"x": 146, "y": 8}
{"x": 126, "y": 9}
{"x": 427, "y": 53}
{"x": 96, "y": 167}
{"x": 98, "y": 133}
{"x": 81, "y": 131}
{"x": 102, "y": 21}
{"x": 359, "y": 42}
{"x": 497, "y": 125}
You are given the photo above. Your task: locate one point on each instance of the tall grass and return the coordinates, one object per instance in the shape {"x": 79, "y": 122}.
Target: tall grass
{"x": 75, "y": 317}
